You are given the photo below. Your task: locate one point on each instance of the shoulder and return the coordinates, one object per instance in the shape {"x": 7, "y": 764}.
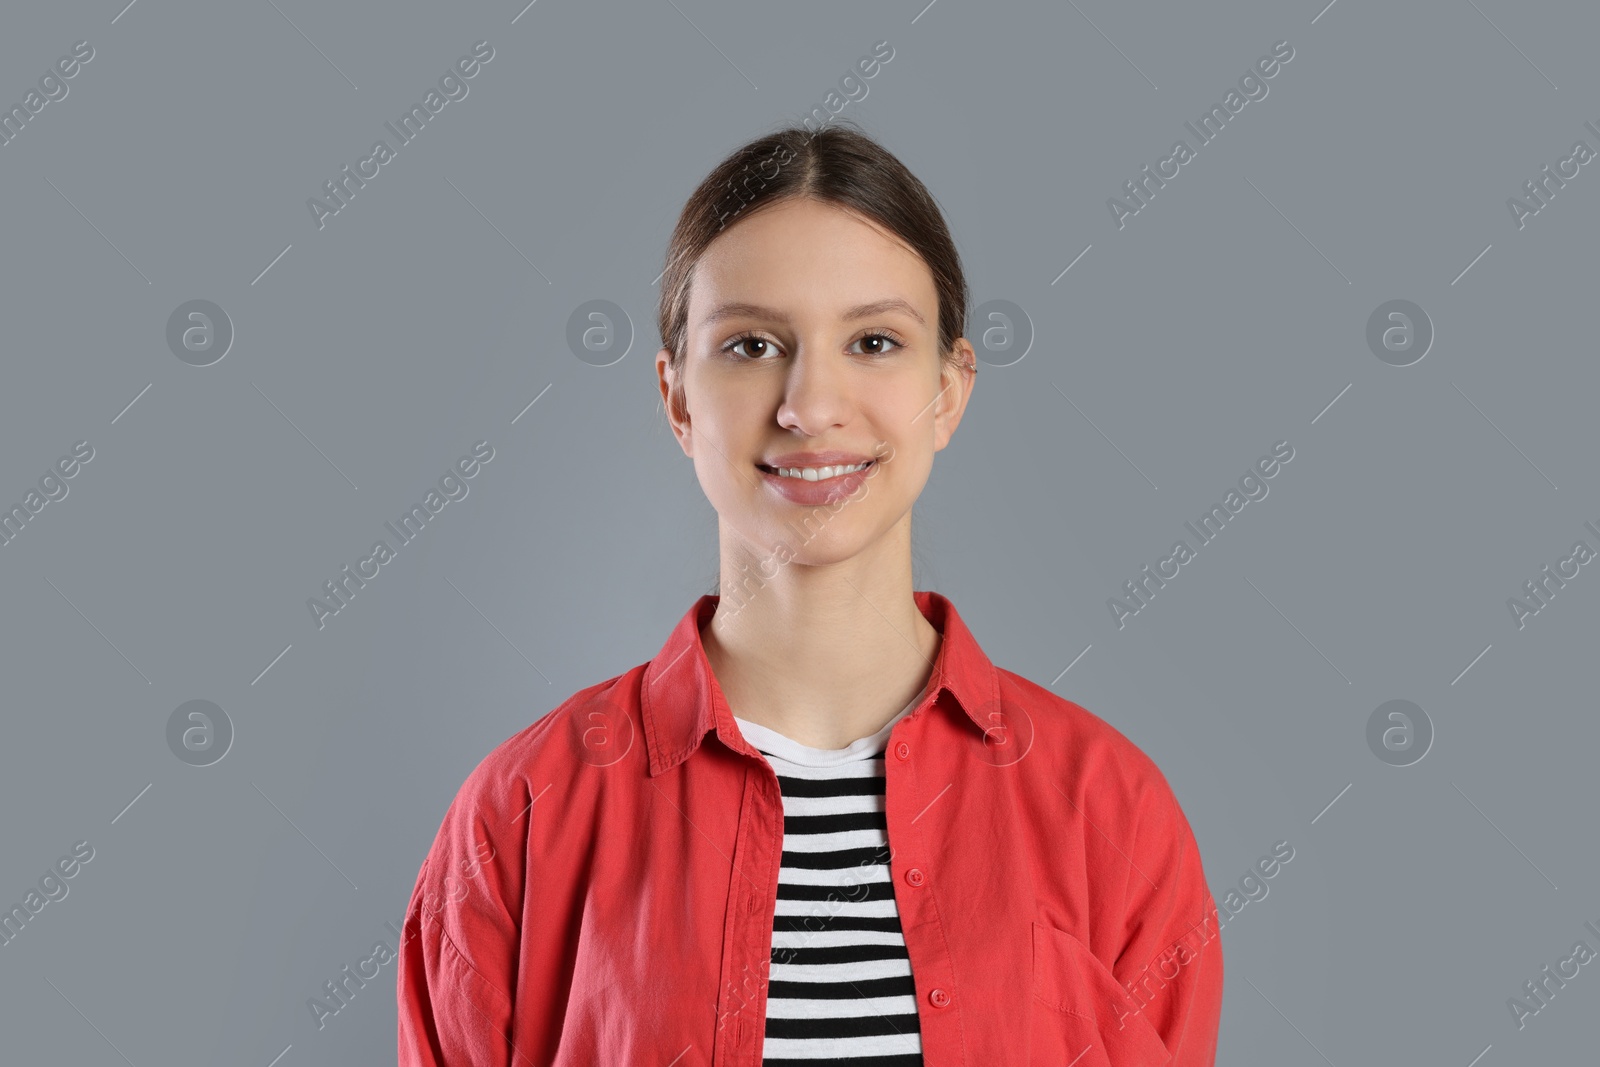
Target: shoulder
{"x": 596, "y": 727}
{"x": 1090, "y": 761}
{"x": 1106, "y": 814}
{"x": 526, "y": 806}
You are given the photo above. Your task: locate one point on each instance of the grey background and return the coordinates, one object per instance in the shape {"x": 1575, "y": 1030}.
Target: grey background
{"x": 1226, "y": 316}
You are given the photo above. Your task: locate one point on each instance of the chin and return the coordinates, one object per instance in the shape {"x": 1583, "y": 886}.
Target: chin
{"x": 777, "y": 541}
{"x": 815, "y": 555}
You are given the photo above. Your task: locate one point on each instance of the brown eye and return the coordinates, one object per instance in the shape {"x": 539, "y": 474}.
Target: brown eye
{"x": 881, "y": 344}
{"x": 749, "y": 343}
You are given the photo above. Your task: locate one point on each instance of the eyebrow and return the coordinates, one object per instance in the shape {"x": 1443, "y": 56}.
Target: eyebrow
{"x": 860, "y": 311}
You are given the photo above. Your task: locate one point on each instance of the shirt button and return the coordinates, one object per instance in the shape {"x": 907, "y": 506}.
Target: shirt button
{"x": 939, "y": 998}
{"x": 915, "y": 876}
{"x": 902, "y": 751}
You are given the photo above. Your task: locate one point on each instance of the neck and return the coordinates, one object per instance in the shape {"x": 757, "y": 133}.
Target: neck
{"x": 825, "y": 653}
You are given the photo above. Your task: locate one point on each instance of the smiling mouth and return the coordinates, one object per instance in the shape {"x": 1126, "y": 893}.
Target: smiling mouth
{"x": 817, "y": 474}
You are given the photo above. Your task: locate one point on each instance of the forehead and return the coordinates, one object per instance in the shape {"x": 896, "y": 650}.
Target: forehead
{"x": 808, "y": 258}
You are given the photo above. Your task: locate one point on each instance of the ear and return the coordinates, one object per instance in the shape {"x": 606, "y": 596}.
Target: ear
{"x": 956, "y": 383}
{"x": 670, "y": 382}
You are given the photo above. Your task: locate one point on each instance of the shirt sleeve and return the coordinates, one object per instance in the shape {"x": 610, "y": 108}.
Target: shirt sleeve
{"x": 456, "y": 975}
{"x": 1171, "y": 958}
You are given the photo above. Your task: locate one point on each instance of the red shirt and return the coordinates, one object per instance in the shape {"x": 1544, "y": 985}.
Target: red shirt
{"x": 602, "y": 888}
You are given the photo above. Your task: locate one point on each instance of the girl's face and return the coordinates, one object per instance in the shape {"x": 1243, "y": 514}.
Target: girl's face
{"x": 812, "y": 342}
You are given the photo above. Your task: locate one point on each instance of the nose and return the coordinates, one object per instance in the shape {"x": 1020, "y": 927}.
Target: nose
{"x": 817, "y": 391}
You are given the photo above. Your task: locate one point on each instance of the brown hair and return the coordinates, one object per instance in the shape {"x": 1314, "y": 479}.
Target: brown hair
{"x": 836, "y": 164}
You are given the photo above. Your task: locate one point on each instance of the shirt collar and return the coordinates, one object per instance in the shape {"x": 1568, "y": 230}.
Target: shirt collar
{"x": 680, "y": 700}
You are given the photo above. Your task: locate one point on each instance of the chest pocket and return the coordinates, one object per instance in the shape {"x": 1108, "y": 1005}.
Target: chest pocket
{"x": 1080, "y": 1013}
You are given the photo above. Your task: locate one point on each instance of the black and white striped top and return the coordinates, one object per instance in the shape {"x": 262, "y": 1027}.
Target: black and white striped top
{"x": 840, "y": 988}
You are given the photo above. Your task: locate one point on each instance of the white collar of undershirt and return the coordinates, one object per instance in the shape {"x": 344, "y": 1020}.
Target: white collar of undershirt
{"x": 786, "y": 748}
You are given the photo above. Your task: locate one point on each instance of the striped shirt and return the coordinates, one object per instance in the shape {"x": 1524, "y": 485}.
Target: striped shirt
{"x": 840, "y": 989}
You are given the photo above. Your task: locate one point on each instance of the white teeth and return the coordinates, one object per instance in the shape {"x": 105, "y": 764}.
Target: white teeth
{"x": 817, "y": 474}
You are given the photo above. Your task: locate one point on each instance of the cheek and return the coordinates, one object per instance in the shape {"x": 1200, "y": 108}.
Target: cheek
{"x": 723, "y": 418}
{"x": 722, "y": 485}
{"x": 726, "y": 444}
{"x": 913, "y": 464}
{"x": 908, "y": 429}
{"x": 735, "y": 403}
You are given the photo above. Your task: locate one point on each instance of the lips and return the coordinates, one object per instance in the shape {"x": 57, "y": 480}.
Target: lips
{"x": 823, "y": 490}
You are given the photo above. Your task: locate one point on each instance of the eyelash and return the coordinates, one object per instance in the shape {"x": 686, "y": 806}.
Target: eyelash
{"x": 887, "y": 335}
